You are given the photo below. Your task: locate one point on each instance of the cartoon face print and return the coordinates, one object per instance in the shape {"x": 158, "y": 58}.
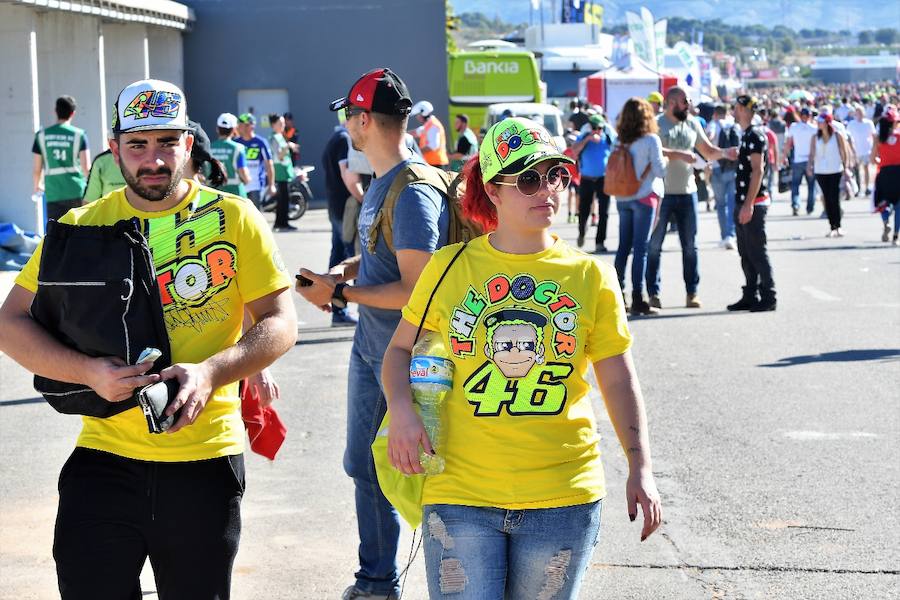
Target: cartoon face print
{"x": 515, "y": 341}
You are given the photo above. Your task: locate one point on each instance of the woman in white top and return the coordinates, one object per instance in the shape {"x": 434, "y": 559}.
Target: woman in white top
{"x": 828, "y": 159}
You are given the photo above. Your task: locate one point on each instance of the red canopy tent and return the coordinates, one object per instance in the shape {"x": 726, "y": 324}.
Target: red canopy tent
{"x": 611, "y": 87}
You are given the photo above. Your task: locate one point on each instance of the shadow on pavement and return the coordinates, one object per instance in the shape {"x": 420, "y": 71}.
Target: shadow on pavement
{"x": 681, "y": 315}
{"x": 873, "y": 246}
{"x": 884, "y": 355}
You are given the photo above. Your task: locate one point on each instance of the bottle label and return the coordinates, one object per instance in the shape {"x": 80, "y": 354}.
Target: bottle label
{"x": 431, "y": 369}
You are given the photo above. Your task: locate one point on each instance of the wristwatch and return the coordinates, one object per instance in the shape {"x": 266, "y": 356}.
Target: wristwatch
{"x": 337, "y": 296}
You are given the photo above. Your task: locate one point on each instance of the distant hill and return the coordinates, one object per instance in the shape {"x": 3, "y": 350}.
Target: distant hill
{"x": 825, "y": 14}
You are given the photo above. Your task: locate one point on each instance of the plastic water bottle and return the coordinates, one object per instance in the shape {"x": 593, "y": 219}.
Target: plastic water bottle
{"x": 431, "y": 377}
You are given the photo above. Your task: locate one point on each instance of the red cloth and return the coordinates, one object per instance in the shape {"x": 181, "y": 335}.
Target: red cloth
{"x": 573, "y": 169}
{"x": 264, "y": 427}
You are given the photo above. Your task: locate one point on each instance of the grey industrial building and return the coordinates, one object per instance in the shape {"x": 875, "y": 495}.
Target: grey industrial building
{"x": 856, "y": 69}
{"x": 228, "y": 55}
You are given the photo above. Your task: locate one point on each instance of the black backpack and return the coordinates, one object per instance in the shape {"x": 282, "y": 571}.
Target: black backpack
{"x": 728, "y": 138}
{"x": 98, "y": 294}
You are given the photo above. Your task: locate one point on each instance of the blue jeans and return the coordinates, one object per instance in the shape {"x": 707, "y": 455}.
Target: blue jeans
{"x": 723, "y": 188}
{"x": 798, "y": 172}
{"x": 478, "y": 553}
{"x": 377, "y": 521}
{"x": 338, "y": 247}
{"x": 635, "y": 222}
{"x": 684, "y": 208}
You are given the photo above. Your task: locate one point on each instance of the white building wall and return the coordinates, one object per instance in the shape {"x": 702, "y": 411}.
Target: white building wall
{"x": 17, "y": 113}
{"x": 166, "y": 55}
{"x": 68, "y": 64}
{"x": 126, "y": 60}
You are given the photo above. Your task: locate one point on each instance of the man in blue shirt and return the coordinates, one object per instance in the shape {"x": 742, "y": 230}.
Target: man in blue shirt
{"x": 377, "y": 109}
{"x": 593, "y": 148}
{"x": 259, "y": 161}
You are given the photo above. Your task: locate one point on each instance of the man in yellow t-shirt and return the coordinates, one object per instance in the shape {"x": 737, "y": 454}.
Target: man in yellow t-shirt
{"x": 126, "y": 494}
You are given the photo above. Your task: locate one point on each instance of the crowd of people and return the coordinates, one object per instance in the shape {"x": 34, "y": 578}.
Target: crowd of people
{"x": 522, "y": 315}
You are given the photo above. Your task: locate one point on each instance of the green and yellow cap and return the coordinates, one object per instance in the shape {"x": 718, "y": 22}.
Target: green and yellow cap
{"x": 514, "y": 145}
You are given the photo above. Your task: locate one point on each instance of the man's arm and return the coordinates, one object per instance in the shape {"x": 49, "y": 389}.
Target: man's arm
{"x": 270, "y": 176}
{"x": 392, "y": 296}
{"x": 352, "y": 181}
{"x": 30, "y": 345}
{"x": 274, "y": 332}
{"x": 37, "y": 170}
{"x": 244, "y": 174}
{"x": 710, "y": 151}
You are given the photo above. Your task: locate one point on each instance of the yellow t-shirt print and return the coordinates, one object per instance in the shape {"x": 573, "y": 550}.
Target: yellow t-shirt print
{"x": 523, "y": 331}
{"x": 212, "y": 253}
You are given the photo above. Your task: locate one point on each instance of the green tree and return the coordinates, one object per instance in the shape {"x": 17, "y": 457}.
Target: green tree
{"x": 713, "y": 42}
{"x": 865, "y": 38}
{"x": 886, "y": 36}
{"x": 452, "y": 24}
{"x": 732, "y": 42}
{"x": 786, "y": 45}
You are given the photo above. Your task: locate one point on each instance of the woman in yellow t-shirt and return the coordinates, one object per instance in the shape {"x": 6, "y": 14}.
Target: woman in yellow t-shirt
{"x": 516, "y": 511}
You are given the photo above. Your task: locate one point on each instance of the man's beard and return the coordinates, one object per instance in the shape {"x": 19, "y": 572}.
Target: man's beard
{"x": 153, "y": 193}
{"x": 681, "y": 115}
{"x": 355, "y": 143}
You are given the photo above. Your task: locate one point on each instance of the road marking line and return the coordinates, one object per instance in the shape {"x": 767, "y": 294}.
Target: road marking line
{"x": 819, "y": 294}
{"x": 828, "y": 435}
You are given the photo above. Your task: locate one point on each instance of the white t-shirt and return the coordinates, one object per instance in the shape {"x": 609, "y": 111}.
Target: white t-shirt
{"x": 861, "y": 132}
{"x": 802, "y": 133}
{"x": 842, "y": 112}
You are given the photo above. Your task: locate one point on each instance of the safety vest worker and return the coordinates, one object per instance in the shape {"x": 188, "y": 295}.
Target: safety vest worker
{"x": 61, "y": 157}
{"x": 431, "y": 135}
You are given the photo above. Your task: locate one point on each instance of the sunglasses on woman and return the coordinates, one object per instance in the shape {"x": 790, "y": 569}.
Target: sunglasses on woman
{"x": 529, "y": 182}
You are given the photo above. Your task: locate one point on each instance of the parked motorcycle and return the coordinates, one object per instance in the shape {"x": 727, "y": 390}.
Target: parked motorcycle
{"x": 299, "y": 194}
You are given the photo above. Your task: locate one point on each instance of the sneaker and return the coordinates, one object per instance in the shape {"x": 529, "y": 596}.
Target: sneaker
{"x": 896, "y": 241}
{"x": 729, "y": 244}
{"x": 693, "y": 301}
{"x": 886, "y": 234}
{"x": 580, "y": 241}
{"x": 285, "y": 228}
{"x": 868, "y": 191}
{"x": 600, "y": 249}
{"x": 654, "y": 301}
{"x": 353, "y": 592}
{"x": 744, "y": 303}
{"x": 795, "y": 211}
{"x": 830, "y": 234}
{"x": 342, "y": 318}
{"x": 838, "y": 232}
{"x": 764, "y": 305}
{"x": 824, "y": 215}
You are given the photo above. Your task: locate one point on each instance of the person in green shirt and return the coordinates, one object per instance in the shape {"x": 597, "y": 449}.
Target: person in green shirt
{"x": 232, "y": 155}
{"x": 105, "y": 176}
{"x": 61, "y": 159}
{"x": 284, "y": 171}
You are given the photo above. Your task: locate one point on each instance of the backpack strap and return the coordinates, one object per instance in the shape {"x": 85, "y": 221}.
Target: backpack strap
{"x": 412, "y": 173}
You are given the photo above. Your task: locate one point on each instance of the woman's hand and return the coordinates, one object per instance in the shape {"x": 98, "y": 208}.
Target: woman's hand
{"x": 265, "y": 386}
{"x": 405, "y": 434}
{"x": 641, "y": 489}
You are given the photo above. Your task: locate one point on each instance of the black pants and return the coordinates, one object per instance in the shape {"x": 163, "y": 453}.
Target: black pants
{"x": 114, "y": 512}
{"x": 57, "y": 209}
{"x": 751, "y": 245}
{"x": 282, "y": 197}
{"x": 589, "y": 187}
{"x": 831, "y": 189}
{"x": 255, "y": 198}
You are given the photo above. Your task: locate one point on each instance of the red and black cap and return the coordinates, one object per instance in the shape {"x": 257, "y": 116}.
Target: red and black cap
{"x": 379, "y": 90}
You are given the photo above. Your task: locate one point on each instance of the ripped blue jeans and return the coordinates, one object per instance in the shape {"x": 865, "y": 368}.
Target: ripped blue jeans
{"x": 477, "y": 553}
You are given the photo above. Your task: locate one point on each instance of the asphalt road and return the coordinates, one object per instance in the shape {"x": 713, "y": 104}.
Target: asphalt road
{"x": 775, "y": 439}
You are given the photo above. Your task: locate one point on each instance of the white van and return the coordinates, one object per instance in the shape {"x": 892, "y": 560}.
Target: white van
{"x": 546, "y": 114}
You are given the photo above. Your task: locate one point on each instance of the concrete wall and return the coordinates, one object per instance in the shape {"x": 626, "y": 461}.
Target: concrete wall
{"x": 166, "y": 55}
{"x": 314, "y": 49}
{"x": 69, "y": 64}
{"x": 125, "y": 54}
{"x": 17, "y": 113}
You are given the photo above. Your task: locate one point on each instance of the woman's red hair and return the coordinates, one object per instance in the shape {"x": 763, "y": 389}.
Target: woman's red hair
{"x": 476, "y": 205}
